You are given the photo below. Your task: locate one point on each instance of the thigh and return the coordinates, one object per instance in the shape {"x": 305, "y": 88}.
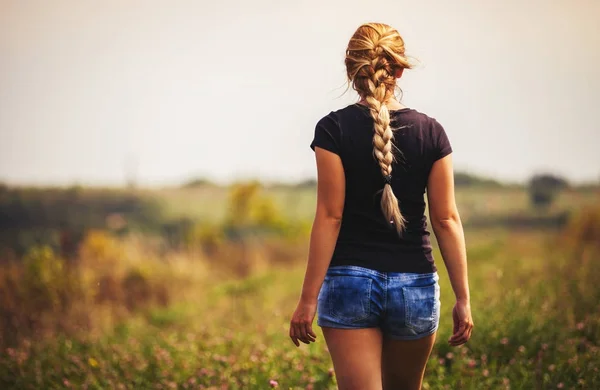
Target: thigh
{"x": 356, "y": 356}
{"x": 403, "y": 362}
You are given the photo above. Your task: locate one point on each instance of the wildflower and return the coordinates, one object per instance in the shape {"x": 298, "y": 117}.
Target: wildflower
{"x": 471, "y": 363}
{"x": 504, "y": 341}
{"x": 484, "y": 358}
{"x": 551, "y": 367}
{"x": 560, "y": 385}
{"x": 273, "y": 383}
{"x": 486, "y": 372}
{"x": 442, "y": 361}
{"x": 580, "y": 325}
{"x": 93, "y": 362}
{"x": 544, "y": 346}
{"x": 522, "y": 348}
{"x": 449, "y": 355}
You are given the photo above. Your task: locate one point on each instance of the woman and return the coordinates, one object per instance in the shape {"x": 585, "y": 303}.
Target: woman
{"x": 370, "y": 269}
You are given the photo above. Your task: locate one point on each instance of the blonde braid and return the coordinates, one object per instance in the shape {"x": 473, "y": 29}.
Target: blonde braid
{"x": 374, "y": 52}
{"x": 382, "y": 145}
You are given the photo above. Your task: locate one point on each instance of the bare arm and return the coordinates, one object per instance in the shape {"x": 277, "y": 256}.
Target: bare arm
{"x": 331, "y": 187}
{"x": 448, "y": 230}
{"x": 326, "y": 225}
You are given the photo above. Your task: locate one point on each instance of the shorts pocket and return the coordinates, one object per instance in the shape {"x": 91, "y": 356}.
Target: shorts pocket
{"x": 422, "y": 307}
{"x": 349, "y": 297}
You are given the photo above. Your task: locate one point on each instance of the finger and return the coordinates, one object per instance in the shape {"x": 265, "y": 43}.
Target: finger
{"x": 293, "y": 335}
{"x": 459, "y": 330}
{"x": 470, "y": 332}
{"x": 309, "y": 332}
{"x": 302, "y": 334}
{"x": 456, "y": 322}
{"x": 298, "y": 333}
{"x": 457, "y": 341}
{"x": 459, "y": 336}
{"x": 462, "y": 337}
{"x": 462, "y": 331}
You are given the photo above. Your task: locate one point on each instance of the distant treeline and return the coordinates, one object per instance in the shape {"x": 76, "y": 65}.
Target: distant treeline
{"x": 60, "y": 217}
{"x": 461, "y": 179}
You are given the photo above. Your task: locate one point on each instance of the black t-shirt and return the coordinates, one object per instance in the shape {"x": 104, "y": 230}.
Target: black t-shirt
{"x": 366, "y": 239}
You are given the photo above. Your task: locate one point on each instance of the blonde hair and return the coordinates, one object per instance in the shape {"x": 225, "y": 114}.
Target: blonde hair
{"x": 374, "y": 54}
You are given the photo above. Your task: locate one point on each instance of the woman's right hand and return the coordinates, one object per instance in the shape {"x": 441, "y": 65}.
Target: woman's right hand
{"x": 463, "y": 323}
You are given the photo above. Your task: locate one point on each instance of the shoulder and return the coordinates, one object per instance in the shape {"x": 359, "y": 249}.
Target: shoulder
{"x": 336, "y": 116}
{"x": 426, "y": 121}
{"x": 428, "y": 126}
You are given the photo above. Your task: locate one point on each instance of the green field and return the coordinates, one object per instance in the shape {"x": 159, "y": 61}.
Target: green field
{"x": 209, "y": 202}
{"x": 535, "y": 300}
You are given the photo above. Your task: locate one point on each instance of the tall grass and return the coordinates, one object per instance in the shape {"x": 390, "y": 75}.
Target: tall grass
{"x": 535, "y": 298}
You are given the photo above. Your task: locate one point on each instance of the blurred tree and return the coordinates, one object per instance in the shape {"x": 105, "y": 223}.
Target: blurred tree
{"x": 199, "y": 182}
{"x": 61, "y": 217}
{"x": 544, "y": 188}
{"x": 308, "y": 183}
{"x": 463, "y": 179}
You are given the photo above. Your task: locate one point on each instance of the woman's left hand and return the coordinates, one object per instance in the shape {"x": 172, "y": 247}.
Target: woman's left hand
{"x": 301, "y": 324}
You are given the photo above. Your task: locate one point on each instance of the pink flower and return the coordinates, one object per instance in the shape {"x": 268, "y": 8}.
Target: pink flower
{"x": 551, "y": 367}
{"x": 580, "y": 326}
{"x": 449, "y": 355}
{"x": 504, "y": 341}
{"x": 471, "y": 363}
{"x": 273, "y": 383}
{"x": 560, "y": 385}
{"x": 485, "y": 372}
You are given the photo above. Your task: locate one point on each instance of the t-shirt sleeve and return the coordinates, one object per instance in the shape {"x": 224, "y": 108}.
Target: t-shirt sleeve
{"x": 327, "y": 135}
{"x": 442, "y": 146}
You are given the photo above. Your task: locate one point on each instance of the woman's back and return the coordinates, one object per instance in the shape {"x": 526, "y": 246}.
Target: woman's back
{"x": 366, "y": 239}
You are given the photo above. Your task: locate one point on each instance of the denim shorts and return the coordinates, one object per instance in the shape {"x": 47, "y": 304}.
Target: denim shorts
{"x": 405, "y": 306}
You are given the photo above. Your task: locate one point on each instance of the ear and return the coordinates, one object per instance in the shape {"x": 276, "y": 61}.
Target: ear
{"x": 398, "y": 73}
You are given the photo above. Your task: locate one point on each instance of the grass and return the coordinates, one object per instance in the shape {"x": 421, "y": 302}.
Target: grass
{"x": 535, "y": 298}
{"x": 535, "y": 307}
{"x": 210, "y": 202}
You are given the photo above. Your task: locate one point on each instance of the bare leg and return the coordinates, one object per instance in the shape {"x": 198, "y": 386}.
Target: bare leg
{"x": 356, "y": 355}
{"x": 404, "y": 362}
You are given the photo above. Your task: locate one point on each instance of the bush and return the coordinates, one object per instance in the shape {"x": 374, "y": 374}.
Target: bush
{"x": 544, "y": 188}
{"x": 59, "y": 218}
{"x": 36, "y": 294}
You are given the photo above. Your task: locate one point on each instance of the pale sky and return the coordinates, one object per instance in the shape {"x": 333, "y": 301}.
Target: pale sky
{"x": 171, "y": 90}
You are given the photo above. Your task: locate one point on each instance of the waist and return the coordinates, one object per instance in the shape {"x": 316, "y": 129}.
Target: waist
{"x": 383, "y": 258}
{"x": 353, "y": 270}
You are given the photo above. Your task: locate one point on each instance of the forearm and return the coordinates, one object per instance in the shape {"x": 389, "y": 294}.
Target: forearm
{"x": 323, "y": 238}
{"x": 451, "y": 240}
